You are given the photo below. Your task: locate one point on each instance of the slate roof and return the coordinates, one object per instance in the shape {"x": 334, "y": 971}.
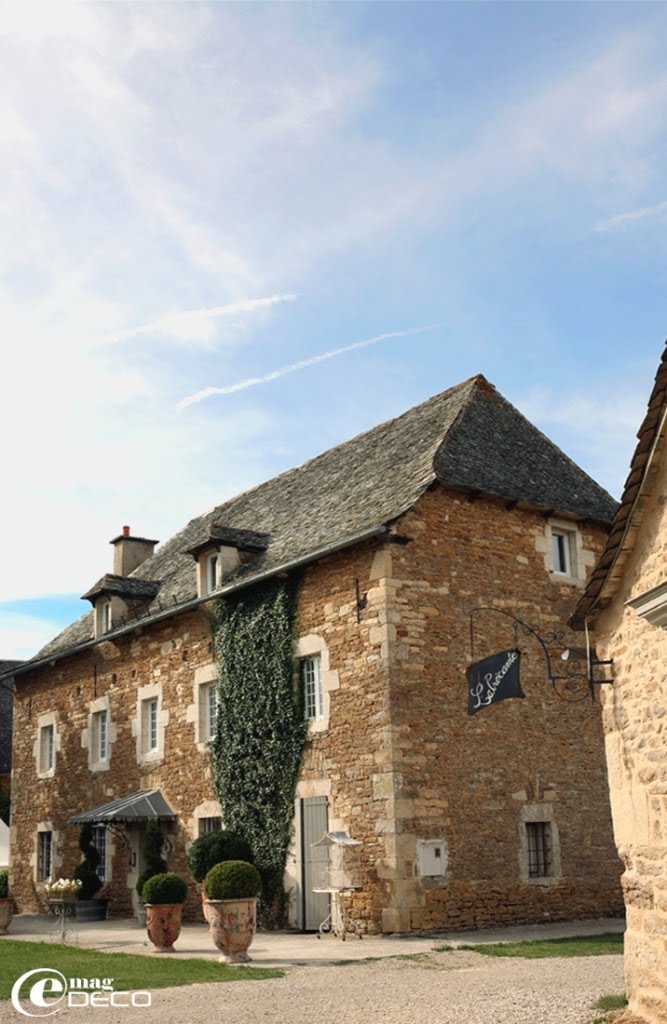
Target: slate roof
{"x": 129, "y": 587}
{"x": 608, "y": 572}
{"x": 6, "y": 702}
{"x": 468, "y": 437}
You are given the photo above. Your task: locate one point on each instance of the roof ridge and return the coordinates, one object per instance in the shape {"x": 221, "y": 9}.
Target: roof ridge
{"x": 468, "y": 436}
{"x": 476, "y": 379}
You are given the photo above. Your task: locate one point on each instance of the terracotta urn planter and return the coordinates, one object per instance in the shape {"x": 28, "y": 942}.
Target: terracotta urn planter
{"x": 204, "y": 908}
{"x": 6, "y": 914}
{"x": 141, "y": 913}
{"x": 232, "y": 924}
{"x": 163, "y": 922}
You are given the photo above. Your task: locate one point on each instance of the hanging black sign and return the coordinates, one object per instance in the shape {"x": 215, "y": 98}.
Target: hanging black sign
{"x": 492, "y": 679}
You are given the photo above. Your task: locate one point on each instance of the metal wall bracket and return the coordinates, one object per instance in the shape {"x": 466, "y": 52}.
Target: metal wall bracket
{"x": 578, "y": 679}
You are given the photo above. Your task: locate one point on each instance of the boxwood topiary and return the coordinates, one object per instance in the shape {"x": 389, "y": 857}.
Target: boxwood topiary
{"x": 213, "y": 848}
{"x": 86, "y": 870}
{"x": 165, "y": 888}
{"x": 4, "y": 884}
{"x": 232, "y": 880}
{"x": 155, "y": 862}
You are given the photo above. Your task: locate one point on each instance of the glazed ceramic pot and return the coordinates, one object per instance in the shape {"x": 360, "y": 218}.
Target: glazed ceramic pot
{"x": 6, "y": 914}
{"x": 232, "y": 925}
{"x": 163, "y": 922}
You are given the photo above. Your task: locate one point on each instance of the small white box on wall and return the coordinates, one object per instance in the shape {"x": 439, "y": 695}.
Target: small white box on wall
{"x": 431, "y": 858}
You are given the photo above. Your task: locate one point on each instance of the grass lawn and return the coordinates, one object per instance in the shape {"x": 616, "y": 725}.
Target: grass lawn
{"x": 610, "y": 1003}
{"x": 585, "y": 945}
{"x": 127, "y": 970}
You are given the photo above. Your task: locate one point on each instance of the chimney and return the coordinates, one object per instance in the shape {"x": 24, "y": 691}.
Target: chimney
{"x": 130, "y": 552}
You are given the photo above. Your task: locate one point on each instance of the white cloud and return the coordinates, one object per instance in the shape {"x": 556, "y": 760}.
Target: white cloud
{"x": 620, "y": 220}
{"x": 198, "y": 324}
{"x": 182, "y": 157}
{"x": 22, "y": 635}
{"x": 301, "y": 364}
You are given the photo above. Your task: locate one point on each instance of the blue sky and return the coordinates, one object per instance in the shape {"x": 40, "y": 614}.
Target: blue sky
{"x": 193, "y": 196}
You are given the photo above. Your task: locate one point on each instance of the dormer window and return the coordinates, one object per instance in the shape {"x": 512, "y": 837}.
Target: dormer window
{"x": 212, "y": 562}
{"x": 104, "y": 616}
{"x": 118, "y": 599}
{"x": 220, "y": 552}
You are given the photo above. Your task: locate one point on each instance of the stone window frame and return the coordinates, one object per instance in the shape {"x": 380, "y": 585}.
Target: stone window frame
{"x": 215, "y": 824}
{"x": 103, "y": 868}
{"x": 212, "y": 563}
{"x": 310, "y": 667}
{"x": 103, "y": 616}
{"x": 314, "y": 645}
{"x": 575, "y": 553}
{"x": 206, "y": 809}
{"x": 152, "y": 691}
{"x": 209, "y": 713}
{"x": 44, "y": 855}
{"x": 56, "y": 858}
{"x": 45, "y": 721}
{"x": 197, "y": 711}
{"x": 539, "y": 812}
{"x": 89, "y": 738}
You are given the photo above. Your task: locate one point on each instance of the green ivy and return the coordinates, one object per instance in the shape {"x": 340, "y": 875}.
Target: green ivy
{"x": 261, "y": 731}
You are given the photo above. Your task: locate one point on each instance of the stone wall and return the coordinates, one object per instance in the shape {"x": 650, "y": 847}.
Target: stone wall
{"x": 635, "y": 716}
{"x": 173, "y": 659}
{"x": 167, "y": 654}
{"x": 472, "y": 782}
{"x": 397, "y": 757}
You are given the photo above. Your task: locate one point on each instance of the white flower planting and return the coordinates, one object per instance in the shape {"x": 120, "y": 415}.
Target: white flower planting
{"x": 63, "y": 887}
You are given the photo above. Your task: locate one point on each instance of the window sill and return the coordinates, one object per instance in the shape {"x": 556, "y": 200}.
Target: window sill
{"x": 151, "y": 757}
{"x": 561, "y": 577}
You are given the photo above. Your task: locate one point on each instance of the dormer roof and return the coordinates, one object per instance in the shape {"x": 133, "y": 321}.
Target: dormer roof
{"x": 216, "y": 536}
{"x": 129, "y": 588}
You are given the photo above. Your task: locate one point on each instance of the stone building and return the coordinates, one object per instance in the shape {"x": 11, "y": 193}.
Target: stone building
{"x": 463, "y": 820}
{"x": 625, "y": 603}
{"x": 6, "y": 701}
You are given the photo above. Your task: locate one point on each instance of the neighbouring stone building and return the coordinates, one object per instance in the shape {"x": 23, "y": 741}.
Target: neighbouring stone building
{"x": 464, "y": 821}
{"x": 6, "y": 701}
{"x": 626, "y": 604}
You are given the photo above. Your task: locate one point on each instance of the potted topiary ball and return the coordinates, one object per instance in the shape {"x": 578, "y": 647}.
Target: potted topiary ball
{"x": 6, "y": 903}
{"x": 213, "y": 848}
{"x": 164, "y": 896}
{"x": 231, "y": 892}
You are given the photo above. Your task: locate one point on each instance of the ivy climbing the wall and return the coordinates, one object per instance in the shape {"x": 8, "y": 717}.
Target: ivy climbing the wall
{"x": 261, "y": 731}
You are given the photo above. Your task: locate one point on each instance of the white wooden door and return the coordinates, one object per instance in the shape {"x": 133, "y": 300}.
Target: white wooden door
{"x": 314, "y": 823}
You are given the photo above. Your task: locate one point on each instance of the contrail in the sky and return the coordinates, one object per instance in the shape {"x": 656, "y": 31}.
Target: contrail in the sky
{"x": 178, "y": 323}
{"x": 250, "y": 382}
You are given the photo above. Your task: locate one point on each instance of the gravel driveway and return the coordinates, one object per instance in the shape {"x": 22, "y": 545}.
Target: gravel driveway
{"x": 435, "y": 988}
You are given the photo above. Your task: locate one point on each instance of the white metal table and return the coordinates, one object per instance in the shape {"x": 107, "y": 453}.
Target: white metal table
{"x": 338, "y": 919}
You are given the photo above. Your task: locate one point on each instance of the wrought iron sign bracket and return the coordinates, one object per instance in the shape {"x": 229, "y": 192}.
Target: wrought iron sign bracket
{"x": 578, "y": 678}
